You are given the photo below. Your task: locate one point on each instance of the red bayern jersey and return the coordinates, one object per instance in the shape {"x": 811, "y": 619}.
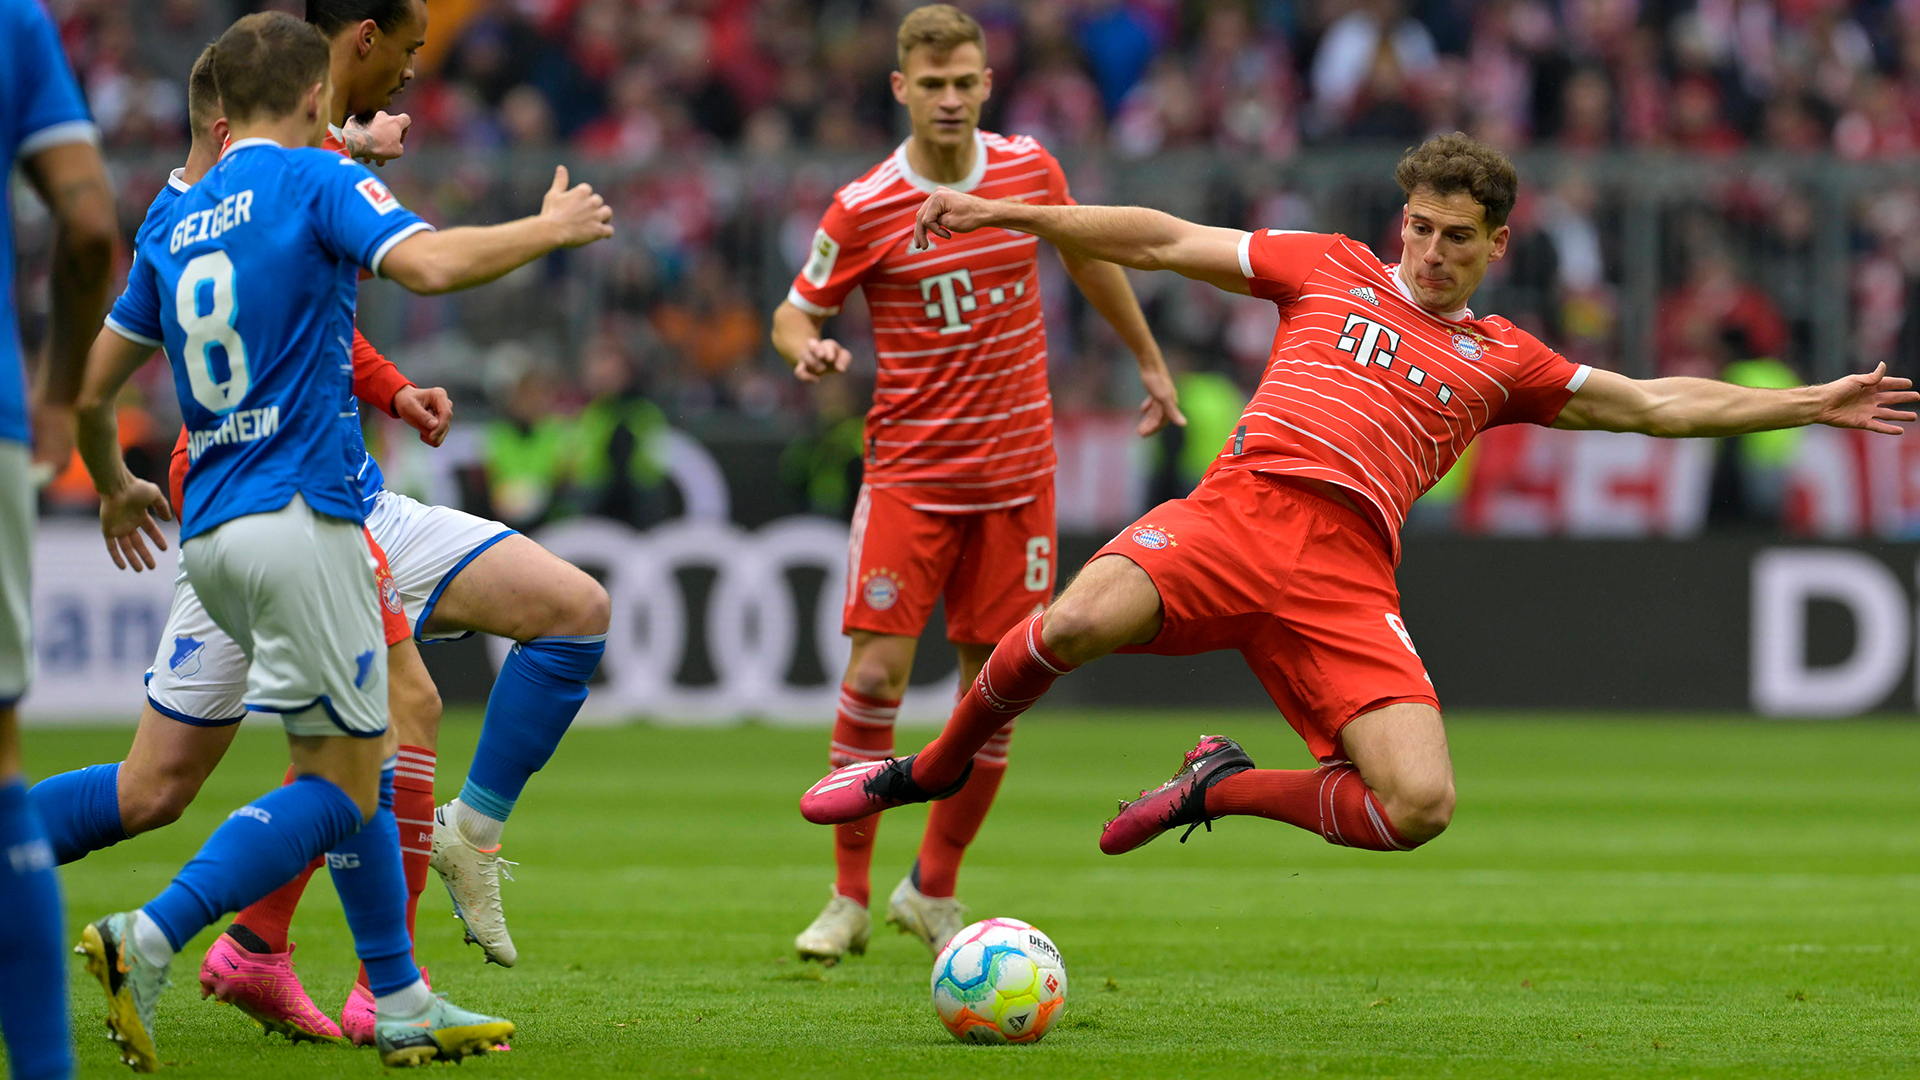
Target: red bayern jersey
{"x": 375, "y": 380}
{"x": 1367, "y": 390}
{"x": 961, "y": 412}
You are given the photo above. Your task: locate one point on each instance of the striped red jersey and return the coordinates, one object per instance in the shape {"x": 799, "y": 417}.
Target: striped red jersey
{"x": 961, "y": 412}
{"x": 1367, "y": 390}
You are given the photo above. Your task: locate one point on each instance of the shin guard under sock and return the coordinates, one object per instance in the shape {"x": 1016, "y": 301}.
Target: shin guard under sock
{"x": 538, "y": 693}
{"x": 373, "y": 891}
{"x": 1332, "y": 800}
{"x": 413, "y": 812}
{"x": 270, "y": 919}
{"x": 254, "y": 851}
{"x": 80, "y": 811}
{"x": 1020, "y": 670}
{"x": 953, "y": 823}
{"x": 862, "y": 731}
{"x": 33, "y": 946}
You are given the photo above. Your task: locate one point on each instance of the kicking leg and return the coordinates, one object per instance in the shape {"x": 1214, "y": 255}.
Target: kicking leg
{"x": 558, "y": 617}
{"x": 33, "y": 976}
{"x": 923, "y": 904}
{"x": 878, "y": 668}
{"x": 1111, "y": 603}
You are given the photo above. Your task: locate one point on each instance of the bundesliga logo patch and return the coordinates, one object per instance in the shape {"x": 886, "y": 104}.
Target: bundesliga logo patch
{"x": 880, "y": 590}
{"x": 1151, "y": 538}
{"x": 1467, "y": 345}
{"x": 377, "y": 195}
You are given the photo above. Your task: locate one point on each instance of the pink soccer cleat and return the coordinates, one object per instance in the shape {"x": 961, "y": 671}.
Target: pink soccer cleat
{"x": 855, "y": 791}
{"x": 263, "y": 986}
{"x": 1180, "y": 801}
{"x": 357, "y": 1015}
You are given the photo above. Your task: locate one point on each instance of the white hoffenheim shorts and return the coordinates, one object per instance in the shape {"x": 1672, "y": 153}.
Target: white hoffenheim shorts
{"x": 199, "y": 676}
{"x": 16, "y": 570}
{"x": 296, "y": 590}
{"x": 426, "y": 547}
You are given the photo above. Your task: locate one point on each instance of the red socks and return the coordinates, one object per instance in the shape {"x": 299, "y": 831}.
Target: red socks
{"x": 953, "y": 823}
{"x": 413, "y": 809}
{"x": 1331, "y": 800}
{"x": 862, "y": 731}
{"x": 1020, "y": 670}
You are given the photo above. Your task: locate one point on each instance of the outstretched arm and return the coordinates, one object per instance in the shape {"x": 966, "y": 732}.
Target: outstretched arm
{"x": 1129, "y": 235}
{"x": 441, "y": 262}
{"x": 1105, "y": 286}
{"x": 1682, "y": 408}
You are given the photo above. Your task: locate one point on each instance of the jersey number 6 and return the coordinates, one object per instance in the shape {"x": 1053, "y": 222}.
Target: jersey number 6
{"x": 208, "y": 280}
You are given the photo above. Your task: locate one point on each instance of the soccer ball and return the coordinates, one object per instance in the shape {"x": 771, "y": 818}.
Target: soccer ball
{"x": 999, "y": 981}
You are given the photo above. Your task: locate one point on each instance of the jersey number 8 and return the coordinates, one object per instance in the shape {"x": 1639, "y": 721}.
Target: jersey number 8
{"x": 211, "y": 275}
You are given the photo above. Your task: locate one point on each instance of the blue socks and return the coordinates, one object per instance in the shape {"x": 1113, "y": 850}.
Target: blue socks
{"x": 33, "y": 946}
{"x": 259, "y": 848}
{"x": 80, "y": 811}
{"x": 373, "y": 890}
{"x": 534, "y": 700}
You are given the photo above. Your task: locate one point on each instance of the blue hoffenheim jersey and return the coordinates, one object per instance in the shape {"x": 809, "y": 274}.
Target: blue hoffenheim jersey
{"x": 366, "y": 471}
{"x": 39, "y": 107}
{"x": 249, "y": 280}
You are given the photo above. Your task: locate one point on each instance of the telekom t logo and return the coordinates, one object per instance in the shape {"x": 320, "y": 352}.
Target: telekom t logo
{"x": 952, "y": 300}
{"x": 1366, "y": 347}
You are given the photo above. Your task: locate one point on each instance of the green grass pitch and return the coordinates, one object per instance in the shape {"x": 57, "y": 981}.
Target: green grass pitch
{"x": 1617, "y": 898}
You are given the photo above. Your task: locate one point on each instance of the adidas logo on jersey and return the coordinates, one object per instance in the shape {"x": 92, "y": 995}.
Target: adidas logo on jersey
{"x": 1365, "y": 292}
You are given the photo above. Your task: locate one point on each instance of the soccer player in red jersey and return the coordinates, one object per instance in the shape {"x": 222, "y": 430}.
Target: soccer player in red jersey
{"x": 958, "y": 491}
{"x": 1379, "y": 378}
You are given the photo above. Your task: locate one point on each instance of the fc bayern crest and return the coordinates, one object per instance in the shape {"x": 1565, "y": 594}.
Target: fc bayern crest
{"x": 881, "y": 591}
{"x": 1467, "y": 345}
{"x": 390, "y": 595}
{"x": 1151, "y": 538}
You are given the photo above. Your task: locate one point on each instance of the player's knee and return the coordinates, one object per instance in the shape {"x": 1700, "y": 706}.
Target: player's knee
{"x": 416, "y": 709}
{"x": 1075, "y": 631}
{"x": 580, "y": 608}
{"x": 873, "y": 676}
{"x": 1423, "y": 811}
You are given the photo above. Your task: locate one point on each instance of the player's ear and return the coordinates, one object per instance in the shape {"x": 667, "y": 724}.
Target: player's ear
{"x": 986, "y": 83}
{"x": 365, "y": 36}
{"x": 222, "y": 131}
{"x": 1500, "y": 237}
{"x": 899, "y": 82}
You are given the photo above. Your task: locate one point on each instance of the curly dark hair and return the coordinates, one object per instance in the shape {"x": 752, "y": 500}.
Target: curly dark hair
{"x": 1446, "y": 164}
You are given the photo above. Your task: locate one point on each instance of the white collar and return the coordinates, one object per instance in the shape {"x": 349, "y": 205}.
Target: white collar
{"x": 337, "y": 132}
{"x": 252, "y": 140}
{"x": 1462, "y": 315}
{"x": 971, "y": 181}
{"x": 177, "y": 179}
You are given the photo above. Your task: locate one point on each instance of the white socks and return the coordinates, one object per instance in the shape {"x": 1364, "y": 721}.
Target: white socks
{"x": 475, "y": 827}
{"x": 149, "y": 941}
{"x": 409, "y": 1002}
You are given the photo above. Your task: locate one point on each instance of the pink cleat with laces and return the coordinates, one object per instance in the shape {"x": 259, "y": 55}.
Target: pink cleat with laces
{"x": 263, "y": 986}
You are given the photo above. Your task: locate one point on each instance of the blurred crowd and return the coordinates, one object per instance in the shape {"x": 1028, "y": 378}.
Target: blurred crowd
{"x": 720, "y": 128}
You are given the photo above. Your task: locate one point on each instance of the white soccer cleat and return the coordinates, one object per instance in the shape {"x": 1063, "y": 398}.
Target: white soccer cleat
{"x": 842, "y": 927}
{"x": 472, "y": 878}
{"x": 932, "y": 919}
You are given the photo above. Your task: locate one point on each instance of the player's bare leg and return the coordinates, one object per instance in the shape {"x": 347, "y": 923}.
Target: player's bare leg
{"x": 1110, "y": 603}
{"x": 558, "y": 616}
{"x": 100, "y": 805}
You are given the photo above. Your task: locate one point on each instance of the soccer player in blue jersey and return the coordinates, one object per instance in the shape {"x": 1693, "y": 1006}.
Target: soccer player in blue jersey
{"x": 249, "y": 281}
{"x": 45, "y": 128}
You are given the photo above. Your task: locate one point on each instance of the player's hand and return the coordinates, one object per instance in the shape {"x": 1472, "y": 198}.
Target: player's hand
{"x": 380, "y": 139}
{"x": 821, "y": 358}
{"x": 580, "y": 215}
{"x": 1867, "y": 402}
{"x": 52, "y": 441}
{"x": 127, "y": 513}
{"x": 947, "y": 212}
{"x": 1162, "y": 406}
{"x": 427, "y": 409}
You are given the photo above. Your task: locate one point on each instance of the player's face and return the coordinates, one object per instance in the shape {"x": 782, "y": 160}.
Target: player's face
{"x": 943, "y": 93}
{"x": 1447, "y": 247}
{"x": 387, "y": 65}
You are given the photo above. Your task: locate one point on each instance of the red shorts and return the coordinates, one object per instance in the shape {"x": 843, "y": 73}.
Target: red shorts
{"x": 995, "y": 567}
{"x": 392, "y": 615}
{"x": 1299, "y": 584}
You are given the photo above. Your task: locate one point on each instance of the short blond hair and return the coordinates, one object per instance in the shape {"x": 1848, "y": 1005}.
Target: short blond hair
{"x": 942, "y": 28}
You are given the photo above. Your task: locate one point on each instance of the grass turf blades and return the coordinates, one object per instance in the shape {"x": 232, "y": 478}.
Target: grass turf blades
{"x": 1616, "y": 898}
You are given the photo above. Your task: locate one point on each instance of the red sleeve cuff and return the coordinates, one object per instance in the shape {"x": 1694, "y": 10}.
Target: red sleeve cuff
{"x": 375, "y": 380}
